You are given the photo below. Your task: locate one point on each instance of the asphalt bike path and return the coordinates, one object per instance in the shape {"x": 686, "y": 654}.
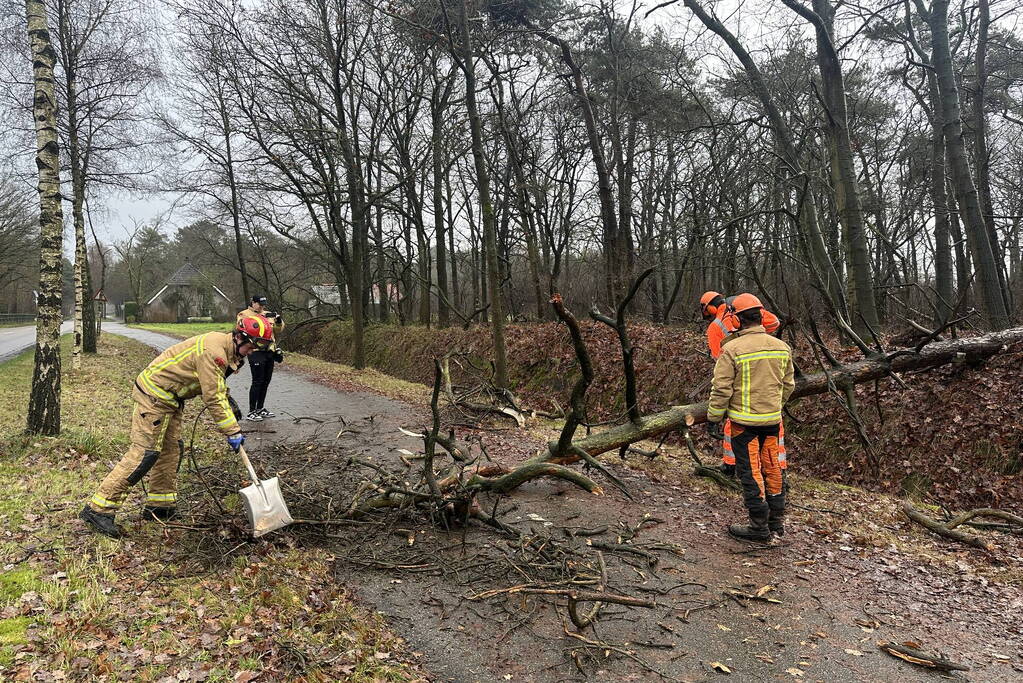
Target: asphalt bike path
{"x": 14, "y": 340}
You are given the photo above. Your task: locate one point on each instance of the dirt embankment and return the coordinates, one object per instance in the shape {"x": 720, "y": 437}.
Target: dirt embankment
{"x": 952, "y": 435}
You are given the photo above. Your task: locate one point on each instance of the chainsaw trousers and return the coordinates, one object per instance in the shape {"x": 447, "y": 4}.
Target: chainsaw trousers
{"x": 155, "y": 450}
{"x": 728, "y": 455}
{"x": 262, "y": 365}
{"x": 760, "y": 473}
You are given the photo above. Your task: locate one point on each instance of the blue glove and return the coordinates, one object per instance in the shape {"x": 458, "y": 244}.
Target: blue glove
{"x": 236, "y": 441}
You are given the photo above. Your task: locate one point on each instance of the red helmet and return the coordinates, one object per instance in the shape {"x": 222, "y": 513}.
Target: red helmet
{"x": 256, "y": 330}
{"x": 745, "y": 302}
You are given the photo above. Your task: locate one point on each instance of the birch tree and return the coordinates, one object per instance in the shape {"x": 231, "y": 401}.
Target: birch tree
{"x": 44, "y": 400}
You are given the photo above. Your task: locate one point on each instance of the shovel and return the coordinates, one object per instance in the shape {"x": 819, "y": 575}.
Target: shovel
{"x": 264, "y": 503}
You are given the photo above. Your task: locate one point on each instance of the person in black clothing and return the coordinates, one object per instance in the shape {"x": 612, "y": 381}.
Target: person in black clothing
{"x": 262, "y": 362}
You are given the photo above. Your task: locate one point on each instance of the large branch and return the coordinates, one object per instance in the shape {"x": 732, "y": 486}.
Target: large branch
{"x": 970, "y": 350}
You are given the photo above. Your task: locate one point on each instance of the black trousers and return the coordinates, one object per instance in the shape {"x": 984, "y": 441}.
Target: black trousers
{"x": 262, "y": 364}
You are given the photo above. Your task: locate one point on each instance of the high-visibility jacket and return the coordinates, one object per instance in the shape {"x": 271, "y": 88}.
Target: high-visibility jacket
{"x": 198, "y": 365}
{"x": 753, "y": 378}
{"x": 724, "y": 326}
{"x": 249, "y": 313}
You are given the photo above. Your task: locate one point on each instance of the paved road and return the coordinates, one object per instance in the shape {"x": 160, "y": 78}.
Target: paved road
{"x": 14, "y": 340}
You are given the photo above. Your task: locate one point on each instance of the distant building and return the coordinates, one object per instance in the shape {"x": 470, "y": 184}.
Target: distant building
{"x": 188, "y": 294}
{"x": 330, "y": 298}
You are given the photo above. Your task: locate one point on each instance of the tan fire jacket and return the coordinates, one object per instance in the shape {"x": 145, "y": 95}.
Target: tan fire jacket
{"x": 196, "y": 366}
{"x": 248, "y": 313}
{"x": 753, "y": 378}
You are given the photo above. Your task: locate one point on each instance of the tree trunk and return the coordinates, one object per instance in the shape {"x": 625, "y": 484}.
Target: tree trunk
{"x": 939, "y": 197}
{"x": 980, "y": 148}
{"x": 972, "y": 350}
{"x": 843, "y": 167}
{"x": 821, "y": 265}
{"x": 987, "y": 268}
{"x": 235, "y": 208}
{"x": 44, "y": 401}
{"x": 608, "y": 219}
{"x": 468, "y": 66}
{"x": 437, "y": 106}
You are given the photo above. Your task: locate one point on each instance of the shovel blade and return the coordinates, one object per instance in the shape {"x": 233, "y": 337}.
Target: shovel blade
{"x": 266, "y": 508}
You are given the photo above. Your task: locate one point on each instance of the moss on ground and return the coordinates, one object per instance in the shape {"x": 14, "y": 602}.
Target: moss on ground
{"x": 140, "y": 608}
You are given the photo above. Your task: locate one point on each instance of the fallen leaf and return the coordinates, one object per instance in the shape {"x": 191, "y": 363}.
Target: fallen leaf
{"x": 723, "y": 627}
{"x": 718, "y": 666}
{"x": 764, "y": 590}
{"x": 855, "y": 653}
{"x": 795, "y": 672}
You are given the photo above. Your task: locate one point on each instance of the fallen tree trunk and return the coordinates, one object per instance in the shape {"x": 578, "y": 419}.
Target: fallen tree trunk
{"x": 969, "y": 350}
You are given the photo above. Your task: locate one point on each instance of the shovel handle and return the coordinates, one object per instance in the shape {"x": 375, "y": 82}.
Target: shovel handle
{"x": 248, "y": 466}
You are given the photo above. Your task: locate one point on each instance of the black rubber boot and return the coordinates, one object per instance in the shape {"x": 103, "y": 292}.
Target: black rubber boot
{"x": 727, "y": 470}
{"x": 152, "y": 513}
{"x": 756, "y": 531}
{"x": 99, "y": 522}
{"x": 776, "y": 514}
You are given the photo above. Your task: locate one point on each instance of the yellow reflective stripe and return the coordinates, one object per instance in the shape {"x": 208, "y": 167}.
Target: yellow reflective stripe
{"x": 715, "y": 412}
{"x": 745, "y": 386}
{"x": 156, "y": 391}
{"x": 163, "y": 497}
{"x": 757, "y": 355}
{"x": 147, "y": 374}
{"x": 104, "y": 503}
{"x": 755, "y": 417}
{"x": 225, "y": 405}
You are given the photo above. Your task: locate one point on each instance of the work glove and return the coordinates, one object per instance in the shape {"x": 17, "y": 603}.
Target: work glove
{"x": 235, "y": 441}
{"x": 279, "y": 356}
{"x": 235, "y": 408}
{"x": 716, "y": 430}
{"x": 278, "y": 319}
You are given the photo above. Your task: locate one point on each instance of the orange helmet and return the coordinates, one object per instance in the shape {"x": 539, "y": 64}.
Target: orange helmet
{"x": 256, "y": 330}
{"x": 708, "y": 297}
{"x": 745, "y": 302}
{"x": 706, "y": 300}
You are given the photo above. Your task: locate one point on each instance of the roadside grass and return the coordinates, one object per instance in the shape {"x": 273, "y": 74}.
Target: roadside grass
{"x": 347, "y": 378}
{"x": 144, "y": 608}
{"x": 184, "y": 330}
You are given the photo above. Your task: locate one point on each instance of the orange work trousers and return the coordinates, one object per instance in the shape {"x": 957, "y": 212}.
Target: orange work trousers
{"x": 728, "y": 455}
{"x": 756, "y": 463}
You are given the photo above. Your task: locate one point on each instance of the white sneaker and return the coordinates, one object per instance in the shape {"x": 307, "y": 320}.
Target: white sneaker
{"x": 266, "y": 413}
{"x": 254, "y": 416}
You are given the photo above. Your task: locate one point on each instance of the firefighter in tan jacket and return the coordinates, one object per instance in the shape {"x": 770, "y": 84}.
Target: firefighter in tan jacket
{"x": 753, "y": 378}
{"x": 194, "y": 367}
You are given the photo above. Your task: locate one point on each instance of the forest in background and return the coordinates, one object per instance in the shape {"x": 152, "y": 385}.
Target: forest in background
{"x": 854, "y": 160}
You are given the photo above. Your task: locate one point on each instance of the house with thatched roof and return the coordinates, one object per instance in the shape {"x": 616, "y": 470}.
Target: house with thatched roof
{"x": 188, "y": 293}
